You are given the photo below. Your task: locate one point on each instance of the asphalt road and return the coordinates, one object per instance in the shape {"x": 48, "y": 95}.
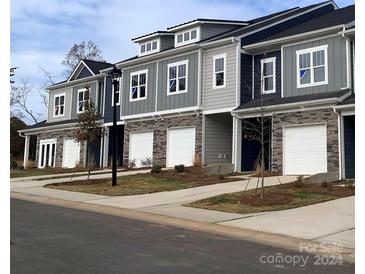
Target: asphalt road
{"x": 50, "y": 239}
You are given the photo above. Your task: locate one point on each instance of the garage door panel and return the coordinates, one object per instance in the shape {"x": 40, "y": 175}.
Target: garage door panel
{"x": 71, "y": 153}
{"x": 305, "y": 149}
{"x": 140, "y": 147}
{"x": 180, "y": 147}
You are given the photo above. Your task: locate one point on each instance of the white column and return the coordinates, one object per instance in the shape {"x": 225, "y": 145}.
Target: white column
{"x": 106, "y": 148}
{"x": 236, "y": 144}
{"x": 26, "y": 151}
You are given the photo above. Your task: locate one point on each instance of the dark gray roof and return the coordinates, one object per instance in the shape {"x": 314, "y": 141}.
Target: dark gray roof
{"x": 96, "y": 66}
{"x": 265, "y": 21}
{"x": 209, "y": 20}
{"x": 292, "y": 99}
{"x": 45, "y": 124}
{"x": 348, "y": 101}
{"x": 333, "y": 18}
{"x": 151, "y": 33}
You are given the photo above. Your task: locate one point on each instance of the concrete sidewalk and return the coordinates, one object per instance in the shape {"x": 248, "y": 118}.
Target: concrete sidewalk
{"x": 330, "y": 222}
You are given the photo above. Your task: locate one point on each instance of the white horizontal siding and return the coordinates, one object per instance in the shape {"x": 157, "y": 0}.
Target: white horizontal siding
{"x": 222, "y": 97}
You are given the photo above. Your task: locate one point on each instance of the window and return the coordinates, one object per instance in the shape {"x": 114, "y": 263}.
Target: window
{"x": 219, "y": 71}
{"x": 59, "y": 105}
{"x": 117, "y": 93}
{"x": 177, "y": 77}
{"x": 138, "y": 90}
{"x": 187, "y": 37}
{"x": 82, "y": 97}
{"x": 312, "y": 66}
{"x": 268, "y": 75}
{"x": 149, "y": 47}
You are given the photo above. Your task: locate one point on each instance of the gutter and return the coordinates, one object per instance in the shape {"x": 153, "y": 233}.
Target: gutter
{"x": 75, "y": 82}
{"x": 39, "y": 129}
{"x": 295, "y": 104}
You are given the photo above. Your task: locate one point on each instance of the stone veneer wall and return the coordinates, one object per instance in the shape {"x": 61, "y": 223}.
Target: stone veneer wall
{"x": 306, "y": 117}
{"x": 59, "y": 135}
{"x": 159, "y": 128}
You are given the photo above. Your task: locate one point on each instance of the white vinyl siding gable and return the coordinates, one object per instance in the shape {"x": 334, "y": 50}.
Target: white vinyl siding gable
{"x": 312, "y": 67}
{"x": 224, "y": 97}
{"x": 268, "y": 75}
{"x": 219, "y": 71}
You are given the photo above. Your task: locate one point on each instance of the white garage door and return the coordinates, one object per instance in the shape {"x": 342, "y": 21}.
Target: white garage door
{"x": 180, "y": 146}
{"x": 305, "y": 150}
{"x": 140, "y": 147}
{"x": 71, "y": 153}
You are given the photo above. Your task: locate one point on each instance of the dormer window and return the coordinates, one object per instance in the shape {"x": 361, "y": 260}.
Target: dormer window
{"x": 187, "y": 36}
{"x": 149, "y": 47}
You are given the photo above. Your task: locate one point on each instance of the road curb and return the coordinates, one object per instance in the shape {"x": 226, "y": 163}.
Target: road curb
{"x": 270, "y": 239}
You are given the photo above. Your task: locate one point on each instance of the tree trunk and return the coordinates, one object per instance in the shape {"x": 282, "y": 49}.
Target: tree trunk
{"x": 262, "y": 156}
{"x": 88, "y": 160}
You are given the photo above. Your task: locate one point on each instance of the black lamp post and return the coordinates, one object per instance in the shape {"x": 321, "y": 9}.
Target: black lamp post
{"x": 115, "y": 74}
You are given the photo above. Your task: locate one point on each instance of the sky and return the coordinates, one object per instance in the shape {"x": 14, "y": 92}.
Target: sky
{"x": 43, "y": 31}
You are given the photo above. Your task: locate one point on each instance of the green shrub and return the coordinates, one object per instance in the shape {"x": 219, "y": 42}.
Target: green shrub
{"x": 179, "y": 168}
{"x": 13, "y": 164}
{"x": 156, "y": 168}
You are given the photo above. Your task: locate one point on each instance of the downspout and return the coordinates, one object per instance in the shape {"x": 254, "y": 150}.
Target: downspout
{"x": 339, "y": 142}
{"x": 347, "y": 57}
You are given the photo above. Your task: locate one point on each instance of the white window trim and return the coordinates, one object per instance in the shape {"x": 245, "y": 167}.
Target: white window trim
{"x": 224, "y": 56}
{"x": 196, "y": 39}
{"x": 177, "y": 64}
{"x": 311, "y": 50}
{"x": 77, "y": 105}
{"x": 130, "y": 85}
{"x": 265, "y": 61}
{"x": 54, "y": 104}
{"x": 150, "y": 51}
{"x": 118, "y": 103}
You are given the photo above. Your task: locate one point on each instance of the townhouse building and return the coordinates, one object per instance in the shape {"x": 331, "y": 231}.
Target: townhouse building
{"x": 182, "y": 99}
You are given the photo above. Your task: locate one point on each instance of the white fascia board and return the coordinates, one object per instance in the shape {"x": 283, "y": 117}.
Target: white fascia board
{"x": 287, "y": 39}
{"x": 150, "y": 36}
{"x": 157, "y": 114}
{"x": 198, "y": 22}
{"x": 292, "y": 105}
{"x": 48, "y": 128}
{"x": 349, "y": 106}
{"x": 81, "y": 62}
{"x": 89, "y": 79}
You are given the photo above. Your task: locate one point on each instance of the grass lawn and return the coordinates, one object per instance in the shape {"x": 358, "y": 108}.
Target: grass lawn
{"x": 42, "y": 171}
{"x": 278, "y": 197}
{"x": 144, "y": 183}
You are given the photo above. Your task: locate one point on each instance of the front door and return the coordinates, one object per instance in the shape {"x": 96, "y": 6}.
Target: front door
{"x": 47, "y": 153}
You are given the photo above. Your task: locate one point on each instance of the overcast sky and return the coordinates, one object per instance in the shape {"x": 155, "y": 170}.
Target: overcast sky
{"x": 42, "y": 31}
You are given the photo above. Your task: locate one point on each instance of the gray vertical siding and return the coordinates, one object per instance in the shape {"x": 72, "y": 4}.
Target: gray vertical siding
{"x": 142, "y": 106}
{"x": 108, "y": 111}
{"x": 221, "y": 97}
{"x": 218, "y": 138}
{"x": 92, "y": 93}
{"x": 337, "y": 77}
{"x": 209, "y": 30}
{"x": 188, "y": 99}
{"x": 68, "y": 98}
{"x": 166, "y": 42}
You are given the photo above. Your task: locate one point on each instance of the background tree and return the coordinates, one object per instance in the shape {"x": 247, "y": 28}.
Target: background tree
{"x": 19, "y": 104}
{"x": 89, "y": 129}
{"x": 84, "y": 50}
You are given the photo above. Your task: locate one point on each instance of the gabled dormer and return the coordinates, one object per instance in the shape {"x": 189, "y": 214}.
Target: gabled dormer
{"x": 154, "y": 42}
{"x": 200, "y": 29}
{"x": 86, "y": 68}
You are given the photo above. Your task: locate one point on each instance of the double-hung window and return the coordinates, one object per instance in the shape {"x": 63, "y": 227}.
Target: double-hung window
{"x": 59, "y": 105}
{"x": 219, "y": 71}
{"x": 82, "y": 98}
{"x": 312, "y": 67}
{"x": 117, "y": 93}
{"x": 177, "y": 77}
{"x": 138, "y": 86}
{"x": 268, "y": 76}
